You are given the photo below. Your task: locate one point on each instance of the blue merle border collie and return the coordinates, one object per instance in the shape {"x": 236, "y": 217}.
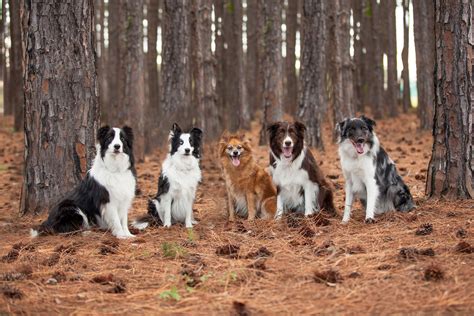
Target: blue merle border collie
{"x": 105, "y": 195}
{"x": 301, "y": 185}
{"x": 369, "y": 172}
{"x": 178, "y": 181}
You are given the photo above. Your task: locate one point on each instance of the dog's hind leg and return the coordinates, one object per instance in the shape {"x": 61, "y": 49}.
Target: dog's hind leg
{"x": 165, "y": 211}
{"x": 268, "y": 207}
{"x": 348, "y": 202}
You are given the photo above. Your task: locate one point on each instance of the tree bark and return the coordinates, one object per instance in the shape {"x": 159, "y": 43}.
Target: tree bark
{"x": 61, "y": 105}
{"x": 272, "y": 65}
{"x": 152, "y": 125}
{"x": 311, "y": 100}
{"x": 341, "y": 65}
{"x": 253, "y": 78}
{"x": 291, "y": 80}
{"x": 392, "y": 75}
{"x": 101, "y": 55}
{"x": 406, "y": 97}
{"x": 16, "y": 66}
{"x": 175, "y": 67}
{"x": 423, "y": 12}
{"x": 450, "y": 172}
{"x": 7, "y": 104}
{"x": 117, "y": 51}
{"x": 236, "y": 104}
{"x": 359, "y": 60}
{"x": 206, "y": 96}
{"x": 377, "y": 90}
{"x": 132, "y": 76}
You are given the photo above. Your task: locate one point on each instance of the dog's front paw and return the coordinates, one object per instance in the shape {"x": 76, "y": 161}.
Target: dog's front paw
{"x": 345, "y": 221}
{"x": 194, "y": 222}
{"x": 125, "y": 236}
{"x": 167, "y": 225}
{"x": 370, "y": 221}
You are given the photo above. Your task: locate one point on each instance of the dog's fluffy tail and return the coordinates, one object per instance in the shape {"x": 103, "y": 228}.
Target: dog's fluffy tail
{"x": 150, "y": 219}
{"x": 269, "y": 206}
{"x": 64, "y": 218}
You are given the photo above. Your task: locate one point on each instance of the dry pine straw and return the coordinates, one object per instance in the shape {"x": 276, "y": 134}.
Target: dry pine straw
{"x": 308, "y": 267}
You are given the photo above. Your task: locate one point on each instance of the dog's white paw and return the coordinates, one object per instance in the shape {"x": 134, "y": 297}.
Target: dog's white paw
{"x": 140, "y": 225}
{"x": 167, "y": 225}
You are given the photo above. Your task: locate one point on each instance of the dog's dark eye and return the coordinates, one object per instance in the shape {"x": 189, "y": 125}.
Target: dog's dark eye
{"x": 229, "y": 147}
{"x": 364, "y": 128}
{"x": 181, "y": 142}
{"x": 239, "y": 147}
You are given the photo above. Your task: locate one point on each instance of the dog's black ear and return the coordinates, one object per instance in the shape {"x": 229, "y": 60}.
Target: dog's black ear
{"x": 370, "y": 123}
{"x": 272, "y": 129}
{"x": 129, "y": 134}
{"x": 102, "y": 132}
{"x": 300, "y": 127}
{"x": 196, "y": 133}
{"x": 175, "y": 129}
{"x": 341, "y": 127}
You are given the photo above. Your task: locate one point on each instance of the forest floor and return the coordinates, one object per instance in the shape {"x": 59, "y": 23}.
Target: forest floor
{"x": 419, "y": 262}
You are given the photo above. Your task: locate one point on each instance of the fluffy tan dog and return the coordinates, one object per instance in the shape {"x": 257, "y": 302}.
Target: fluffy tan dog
{"x": 250, "y": 191}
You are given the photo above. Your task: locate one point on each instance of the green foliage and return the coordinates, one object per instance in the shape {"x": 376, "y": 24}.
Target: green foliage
{"x": 3, "y": 167}
{"x": 191, "y": 236}
{"x": 173, "y": 250}
{"x": 171, "y": 294}
{"x": 230, "y": 7}
{"x": 368, "y": 9}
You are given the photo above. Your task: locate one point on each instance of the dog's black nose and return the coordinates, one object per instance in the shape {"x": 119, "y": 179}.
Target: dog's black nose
{"x": 235, "y": 152}
{"x": 187, "y": 150}
{"x": 360, "y": 140}
{"x": 288, "y": 143}
{"x": 117, "y": 146}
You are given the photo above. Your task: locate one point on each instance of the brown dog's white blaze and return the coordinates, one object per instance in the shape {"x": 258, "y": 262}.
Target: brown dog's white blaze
{"x": 295, "y": 170}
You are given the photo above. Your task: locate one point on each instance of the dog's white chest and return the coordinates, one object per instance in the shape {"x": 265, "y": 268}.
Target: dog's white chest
{"x": 290, "y": 179}
{"x": 358, "y": 170}
{"x": 121, "y": 186}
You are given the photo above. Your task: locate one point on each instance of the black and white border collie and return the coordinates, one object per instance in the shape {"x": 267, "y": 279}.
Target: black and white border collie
{"x": 370, "y": 174}
{"x": 301, "y": 186}
{"x": 104, "y": 197}
{"x": 178, "y": 181}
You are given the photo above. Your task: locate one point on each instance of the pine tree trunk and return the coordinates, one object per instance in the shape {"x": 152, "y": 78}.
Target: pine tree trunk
{"x": 219, "y": 57}
{"x": 423, "y": 28}
{"x": 377, "y": 91}
{"x": 253, "y": 77}
{"x": 133, "y": 77}
{"x": 450, "y": 172}
{"x": 392, "y": 75}
{"x": 406, "y": 98}
{"x": 152, "y": 124}
{"x": 16, "y": 66}
{"x": 341, "y": 72}
{"x": 2, "y": 41}
{"x": 311, "y": 99}
{"x": 175, "y": 67}
{"x": 272, "y": 65}
{"x": 116, "y": 21}
{"x": 7, "y": 104}
{"x": 206, "y": 96}
{"x": 291, "y": 80}
{"x": 359, "y": 60}
{"x": 101, "y": 55}
{"x": 61, "y": 105}
{"x": 235, "y": 88}
{"x": 368, "y": 44}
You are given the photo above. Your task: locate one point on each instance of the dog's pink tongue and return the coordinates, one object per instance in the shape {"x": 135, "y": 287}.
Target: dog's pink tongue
{"x": 287, "y": 151}
{"x": 236, "y": 161}
{"x": 359, "y": 148}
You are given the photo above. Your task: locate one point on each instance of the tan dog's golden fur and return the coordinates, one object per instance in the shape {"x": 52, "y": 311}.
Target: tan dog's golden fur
{"x": 250, "y": 190}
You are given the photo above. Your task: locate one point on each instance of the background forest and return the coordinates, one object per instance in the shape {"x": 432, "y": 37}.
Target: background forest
{"x": 67, "y": 67}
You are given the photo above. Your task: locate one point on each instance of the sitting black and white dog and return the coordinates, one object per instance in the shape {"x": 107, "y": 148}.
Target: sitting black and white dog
{"x": 104, "y": 197}
{"x": 301, "y": 185}
{"x": 369, "y": 173}
{"x": 179, "y": 178}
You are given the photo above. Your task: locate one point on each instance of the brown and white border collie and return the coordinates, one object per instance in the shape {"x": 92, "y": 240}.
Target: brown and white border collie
{"x": 300, "y": 183}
